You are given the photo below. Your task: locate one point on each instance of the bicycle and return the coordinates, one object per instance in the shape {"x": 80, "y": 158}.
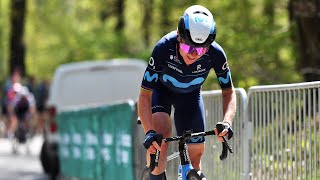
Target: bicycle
{"x": 186, "y": 171}
{"x": 23, "y": 132}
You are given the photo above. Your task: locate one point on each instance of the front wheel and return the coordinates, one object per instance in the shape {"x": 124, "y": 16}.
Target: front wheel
{"x": 145, "y": 174}
{"x": 195, "y": 175}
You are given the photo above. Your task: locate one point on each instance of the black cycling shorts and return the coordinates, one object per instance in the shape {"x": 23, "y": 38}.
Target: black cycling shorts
{"x": 188, "y": 110}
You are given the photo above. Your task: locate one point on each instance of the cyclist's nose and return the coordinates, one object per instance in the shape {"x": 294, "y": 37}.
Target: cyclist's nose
{"x": 193, "y": 53}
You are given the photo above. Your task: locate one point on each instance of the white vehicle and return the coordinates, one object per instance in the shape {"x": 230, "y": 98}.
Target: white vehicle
{"x": 87, "y": 84}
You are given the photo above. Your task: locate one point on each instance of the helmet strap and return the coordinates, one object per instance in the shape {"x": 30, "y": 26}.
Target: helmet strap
{"x": 178, "y": 38}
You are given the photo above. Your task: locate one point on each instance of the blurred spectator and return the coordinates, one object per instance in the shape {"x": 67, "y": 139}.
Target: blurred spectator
{"x": 22, "y": 107}
{"x": 8, "y": 95}
{"x": 2, "y": 120}
{"x": 31, "y": 84}
{"x": 15, "y": 77}
{"x": 41, "y": 95}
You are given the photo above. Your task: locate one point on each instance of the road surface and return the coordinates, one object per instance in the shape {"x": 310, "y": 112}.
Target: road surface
{"x": 23, "y": 165}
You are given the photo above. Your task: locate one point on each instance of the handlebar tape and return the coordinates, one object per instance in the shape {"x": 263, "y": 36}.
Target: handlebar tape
{"x": 154, "y": 158}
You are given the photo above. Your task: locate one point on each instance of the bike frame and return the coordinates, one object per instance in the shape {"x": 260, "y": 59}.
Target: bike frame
{"x": 186, "y": 165}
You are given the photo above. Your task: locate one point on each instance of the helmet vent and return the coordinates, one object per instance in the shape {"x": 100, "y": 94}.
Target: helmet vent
{"x": 200, "y": 12}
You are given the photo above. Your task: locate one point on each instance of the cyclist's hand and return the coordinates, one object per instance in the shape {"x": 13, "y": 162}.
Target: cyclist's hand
{"x": 150, "y": 141}
{"x": 223, "y": 129}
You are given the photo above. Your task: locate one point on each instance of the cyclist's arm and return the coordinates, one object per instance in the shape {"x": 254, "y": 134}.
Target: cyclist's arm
{"x": 145, "y": 114}
{"x": 32, "y": 103}
{"x": 229, "y": 104}
{"x": 144, "y": 109}
{"x": 10, "y": 102}
{"x": 224, "y": 78}
{"x": 149, "y": 82}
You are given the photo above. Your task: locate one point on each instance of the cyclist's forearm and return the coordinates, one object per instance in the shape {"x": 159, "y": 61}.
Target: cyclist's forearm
{"x": 144, "y": 110}
{"x": 229, "y": 104}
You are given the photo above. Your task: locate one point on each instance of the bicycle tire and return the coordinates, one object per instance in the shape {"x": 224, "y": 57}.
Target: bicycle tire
{"x": 195, "y": 175}
{"x": 145, "y": 173}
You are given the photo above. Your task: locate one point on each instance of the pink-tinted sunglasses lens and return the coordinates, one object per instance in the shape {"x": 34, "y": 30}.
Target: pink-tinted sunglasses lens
{"x": 190, "y": 49}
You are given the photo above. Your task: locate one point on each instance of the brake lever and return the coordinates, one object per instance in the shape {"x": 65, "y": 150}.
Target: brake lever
{"x": 225, "y": 144}
{"x": 224, "y": 153}
{"x": 154, "y": 158}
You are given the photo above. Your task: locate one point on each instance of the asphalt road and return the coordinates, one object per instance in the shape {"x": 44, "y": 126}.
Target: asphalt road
{"x": 22, "y": 165}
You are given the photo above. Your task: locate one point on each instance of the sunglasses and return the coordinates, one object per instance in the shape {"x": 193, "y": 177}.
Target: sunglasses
{"x": 190, "y": 49}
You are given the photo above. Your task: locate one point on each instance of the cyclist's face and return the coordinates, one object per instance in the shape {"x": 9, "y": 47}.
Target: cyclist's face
{"x": 191, "y": 54}
{"x": 190, "y": 49}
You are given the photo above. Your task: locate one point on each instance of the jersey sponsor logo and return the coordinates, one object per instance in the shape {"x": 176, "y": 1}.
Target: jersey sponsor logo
{"x": 175, "y": 59}
{"x": 224, "y": 80}
{"x": 199, "y": 70}
{"x": 151, "y": 63}
{"x": 225, "y": 66}
{"x": 175, "y": 68}
{"x": 150, "y": 78}
{"x": 198, "y": 66}
{"x": 178, "y": 84}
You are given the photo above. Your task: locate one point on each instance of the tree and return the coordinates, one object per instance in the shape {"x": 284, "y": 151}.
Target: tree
{"x": 120, "y": 15}
{"x": 305, "y": 19}
{"x": 1, "y": 41}
{"x": 255, "y": 35}
{"x": 17, "y": 47}
{"x": 147, "y": 20}
{"x": 165, "y": 9}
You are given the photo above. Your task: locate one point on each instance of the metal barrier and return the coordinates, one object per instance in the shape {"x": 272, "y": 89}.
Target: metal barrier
{"x": 213, "y": 167}
{"x": 285, "y": 132}
{"x": 277, "y": 134}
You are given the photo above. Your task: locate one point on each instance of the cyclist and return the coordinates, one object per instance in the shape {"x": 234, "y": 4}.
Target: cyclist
{"x": 8, "y": 96}
{"x": 22, "y": 107}
{"x": 179, "y": 64}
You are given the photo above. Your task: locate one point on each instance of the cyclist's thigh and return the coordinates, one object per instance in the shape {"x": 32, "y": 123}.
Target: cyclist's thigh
{"x": 161, "y": 109}
{"x": 189, "y": 114}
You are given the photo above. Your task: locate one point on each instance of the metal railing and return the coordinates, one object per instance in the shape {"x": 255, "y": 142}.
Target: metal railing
{"x": 285, "y": 136}
{"x": 213, "y": 167}
{"x": 277, "y": 134}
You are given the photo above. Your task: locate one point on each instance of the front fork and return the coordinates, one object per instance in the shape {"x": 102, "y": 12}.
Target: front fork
{"x": 186, "y": 165}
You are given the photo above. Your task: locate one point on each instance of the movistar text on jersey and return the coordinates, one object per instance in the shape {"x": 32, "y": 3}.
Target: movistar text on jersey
{"x": 175, "y": 68}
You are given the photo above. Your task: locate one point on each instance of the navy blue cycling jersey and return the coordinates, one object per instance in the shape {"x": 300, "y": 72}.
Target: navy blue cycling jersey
{"x": 166, "y": 65}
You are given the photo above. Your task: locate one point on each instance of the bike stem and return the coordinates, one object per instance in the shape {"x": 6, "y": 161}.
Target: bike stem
{"x": 183, "y": 148}
{"x": 184, "y": 155}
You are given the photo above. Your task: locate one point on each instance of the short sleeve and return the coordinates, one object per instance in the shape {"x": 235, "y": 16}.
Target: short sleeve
{"x": 154, "y": 68}
{"x": 222, "y": 69}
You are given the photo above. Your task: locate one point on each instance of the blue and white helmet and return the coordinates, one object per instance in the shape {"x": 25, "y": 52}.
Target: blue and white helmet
{"x": 197, "y": 26}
